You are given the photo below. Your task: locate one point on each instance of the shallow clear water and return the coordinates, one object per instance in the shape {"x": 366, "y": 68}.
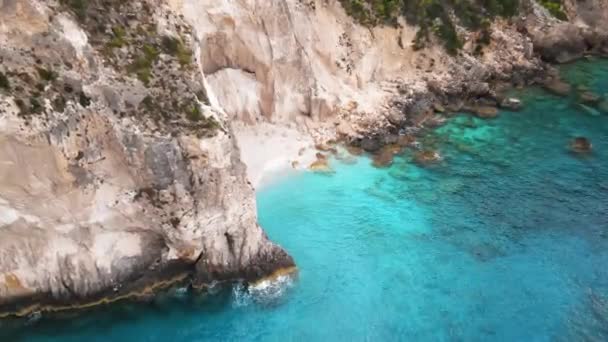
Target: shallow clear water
{"x": 507, "y": 239}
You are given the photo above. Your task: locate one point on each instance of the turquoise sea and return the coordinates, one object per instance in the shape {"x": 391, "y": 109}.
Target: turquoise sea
{"x": 505, "y": 240}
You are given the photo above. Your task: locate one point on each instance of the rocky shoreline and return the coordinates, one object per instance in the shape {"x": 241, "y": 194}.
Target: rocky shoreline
{"x": 553, "y": 44}
{"x": 385, "y": 142}
{"x": 150, "y": 284}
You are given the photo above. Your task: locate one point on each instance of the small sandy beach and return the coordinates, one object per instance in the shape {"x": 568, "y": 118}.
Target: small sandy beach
{"x": 273, "y": 151}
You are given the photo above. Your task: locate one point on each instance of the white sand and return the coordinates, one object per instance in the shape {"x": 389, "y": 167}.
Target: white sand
{"x": 270, "y": 150}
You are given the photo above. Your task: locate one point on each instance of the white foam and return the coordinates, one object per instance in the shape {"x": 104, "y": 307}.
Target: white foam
{"x": 266, "y": 291}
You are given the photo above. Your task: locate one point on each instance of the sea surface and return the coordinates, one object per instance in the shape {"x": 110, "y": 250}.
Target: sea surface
{"x": 505, "y": 240}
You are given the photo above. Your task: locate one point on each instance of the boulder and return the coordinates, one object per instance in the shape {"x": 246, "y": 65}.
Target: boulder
{"x": 558, "y": 87}
{"x": 396, "y": 118}
{"x": 511, "y": 103}
{"x": 563, "y": 43}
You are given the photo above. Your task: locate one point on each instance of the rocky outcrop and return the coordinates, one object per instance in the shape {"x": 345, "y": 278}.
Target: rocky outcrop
{"x": 116, "y": 176}
{"x": 564, "y": 41}
{"x": 309, "y": 63}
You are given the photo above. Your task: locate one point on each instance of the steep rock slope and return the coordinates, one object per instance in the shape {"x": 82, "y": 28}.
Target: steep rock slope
{"x": 115, "y": 176}
{"x": 309, "y": 62}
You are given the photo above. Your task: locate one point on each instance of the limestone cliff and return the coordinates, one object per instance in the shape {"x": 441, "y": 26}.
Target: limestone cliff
{"x": 115, "y": 173}
{"x": 311, "y": 63}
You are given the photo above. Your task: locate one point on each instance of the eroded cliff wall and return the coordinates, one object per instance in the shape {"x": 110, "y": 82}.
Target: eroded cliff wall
{"x": 309, "y": 62}
{"x": 115, "y": 172}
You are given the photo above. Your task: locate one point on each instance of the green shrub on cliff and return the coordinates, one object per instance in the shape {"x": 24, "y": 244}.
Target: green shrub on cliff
{"x": 555, "y": 8}
{"x": 4, "y": 82}
{"x": 433, "y": 16}
{"x": 175, "y": 47}
{"x": 142, "y": 65}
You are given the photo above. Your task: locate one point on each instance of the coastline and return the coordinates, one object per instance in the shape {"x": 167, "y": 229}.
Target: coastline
{"x": 269, "y": 149}
{"x": 269, "y": 152}
{"x": 273, "y": 151}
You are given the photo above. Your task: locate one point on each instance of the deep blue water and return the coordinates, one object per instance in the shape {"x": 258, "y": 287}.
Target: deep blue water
{"x": 506, "y": 240}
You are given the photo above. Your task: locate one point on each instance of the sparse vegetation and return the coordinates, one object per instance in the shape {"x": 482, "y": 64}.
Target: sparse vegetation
{"x": 175, "y": 47}
{"x": 125, "y": 34}
{"x": 79, "y": 7}
{"x": 555, "y": 7}
{"x": 142, "y": 65}
{"x": 433, "y": 16}
{"x": 35, "y": 105}
{"x": 84, "y": 100}
{"x": 46, "y": 74}
{"x": 118, "y": 37}
{"x": 193, "y": 112}
{"x": 59, "y": 104}
{"x": 4, "y": 82}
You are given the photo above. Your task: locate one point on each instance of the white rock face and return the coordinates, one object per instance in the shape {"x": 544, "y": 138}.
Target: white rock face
{"x": 278, "y": 60}
{"x": 95, "y": 204}
{"x": 308, "y": 63}
{"x": 294, "y": 60}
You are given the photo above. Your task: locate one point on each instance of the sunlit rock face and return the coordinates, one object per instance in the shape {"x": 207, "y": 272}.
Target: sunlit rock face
{"x": 115, "y": 173}
{"x": 309, "y": 63}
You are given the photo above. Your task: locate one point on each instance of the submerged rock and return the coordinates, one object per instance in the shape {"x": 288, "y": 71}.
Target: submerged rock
{"x": 581, "y": 145}
{"x": 603, "y": 106}
{"x": 427, "y": 157}
{"x": 346, "y": 157}
{"x": 484, "y": 112}
{"x": 435, "y": 121}
{"x": 406, "y": 140}
{"x": 558, "y": 87}
{"x": 354, "y": 150}
{"x": 321, "y": 164}
{"x": 326, "y": 148}
{"x": 384, "y": 158}
{"x": 370, "y": 144}
{"x": 589, "y": 97}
